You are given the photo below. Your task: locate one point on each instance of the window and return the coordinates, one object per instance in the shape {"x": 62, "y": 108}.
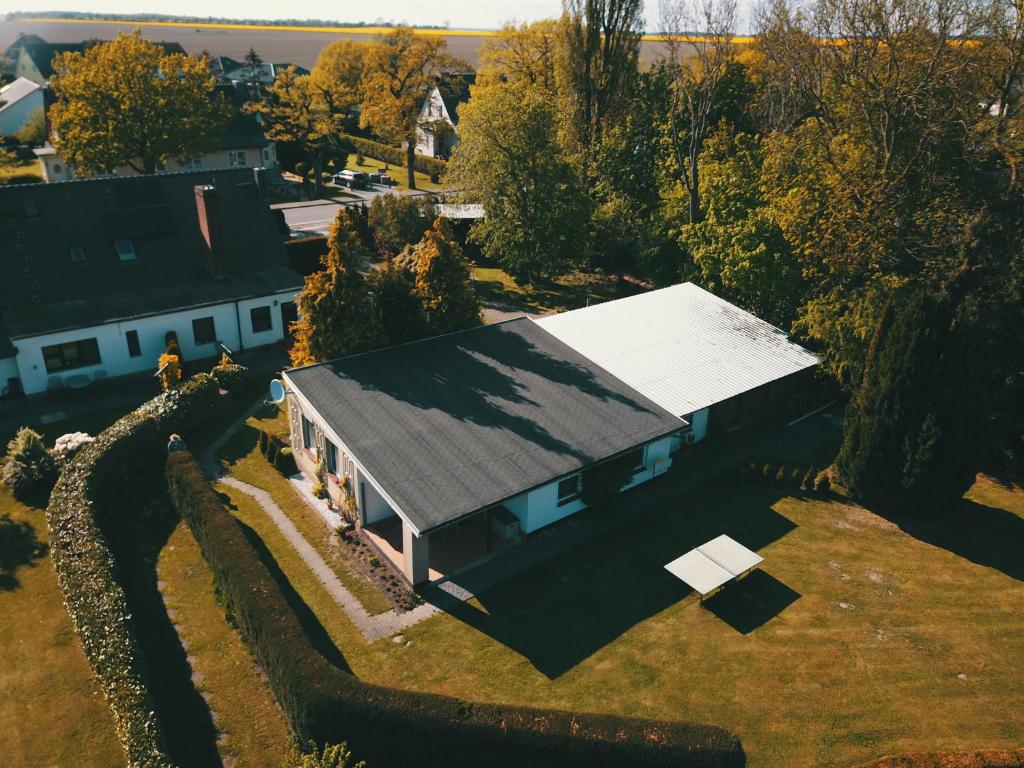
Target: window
{"x": 132, "y": 337}
{"x": 260, "y": 317}
{"x": 236, "y": 158}
{"x": 307, "y": 434}
{"x": 204, "y": 331}
{"x": 56, "y": 167}
{"x": 191, "y": 164}
{"x": 77, "y": 254}
{"x": 125, "y": 250}
{"x": 266, "y": 155}
{"x": 331, "y": 457}
{"x": 568, "y": 489}
{"x": 636, "y": 459}
{"x": 74, "y": 354}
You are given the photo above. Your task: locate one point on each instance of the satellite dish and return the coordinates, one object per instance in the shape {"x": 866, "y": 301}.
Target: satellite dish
{"x": 276, "y": 390}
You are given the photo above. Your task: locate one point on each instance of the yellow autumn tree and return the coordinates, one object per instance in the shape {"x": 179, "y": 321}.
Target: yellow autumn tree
{"x": 129, "y": 102}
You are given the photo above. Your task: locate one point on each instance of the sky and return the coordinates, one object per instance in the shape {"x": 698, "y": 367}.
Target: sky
{"x": 473, "y": 14}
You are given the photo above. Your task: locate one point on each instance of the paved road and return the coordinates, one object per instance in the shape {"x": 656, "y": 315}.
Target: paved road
{"x": 317, "y": 215}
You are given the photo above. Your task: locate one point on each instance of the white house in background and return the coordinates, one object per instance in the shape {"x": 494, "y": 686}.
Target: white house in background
{"x": 495, "y": 429}
{"x": 437, "y": 125}
{"x": 242, "y": 145}
{"x": 100, "y": 273}
{"x": 20, "y": 102}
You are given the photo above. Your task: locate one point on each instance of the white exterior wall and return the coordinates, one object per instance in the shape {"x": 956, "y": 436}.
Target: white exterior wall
{"x": 698, "y": 428}
{"x": 433, "y": 109}
{"x": 372, "y": 504}
{"x": 53, "y": 167}
{"x": 14, "y": 117}
{"x": 113, "y": 344}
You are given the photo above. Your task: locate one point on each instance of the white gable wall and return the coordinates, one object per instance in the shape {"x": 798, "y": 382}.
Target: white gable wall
{"x": 14, "y": 116}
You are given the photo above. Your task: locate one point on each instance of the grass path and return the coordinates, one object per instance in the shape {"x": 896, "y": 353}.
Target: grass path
{"x": 253, "y": 728}
{"x": 51, "y": 710}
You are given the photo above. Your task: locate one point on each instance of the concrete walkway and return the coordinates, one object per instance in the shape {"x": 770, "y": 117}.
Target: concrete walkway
{"x": 372, "y": 627}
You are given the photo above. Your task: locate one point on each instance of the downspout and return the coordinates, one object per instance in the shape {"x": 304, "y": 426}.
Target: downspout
{"x": 238, "y": 324}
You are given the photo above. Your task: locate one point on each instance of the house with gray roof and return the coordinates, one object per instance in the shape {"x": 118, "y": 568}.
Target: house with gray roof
{"x": 20, "y": 102}
{"x": 499, "y": 429}
{"x": 100, "y": 273}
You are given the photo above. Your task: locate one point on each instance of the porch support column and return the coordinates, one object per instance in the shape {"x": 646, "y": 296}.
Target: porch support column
{"x": 415, "y": 555}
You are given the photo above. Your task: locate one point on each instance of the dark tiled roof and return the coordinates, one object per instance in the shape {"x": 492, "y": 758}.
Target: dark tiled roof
{"x": 457, "y": 423}
{"x": 44, "y": 290}
{"x": 42, "y": 53}
{"x": 454, "y": 91}
{"x": 243, "y": 130}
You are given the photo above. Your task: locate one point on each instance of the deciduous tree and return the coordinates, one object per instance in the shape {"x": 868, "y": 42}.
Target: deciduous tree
{"x": 129, "y": 102}
{"x": 335, "y": 315}
{"x": 401, "y": 68}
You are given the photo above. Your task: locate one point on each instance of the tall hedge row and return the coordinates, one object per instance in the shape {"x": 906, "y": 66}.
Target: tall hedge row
{"x": 83, "y": 507}
{"x": 390, "y": 727}
{"x": 396, "y": 155}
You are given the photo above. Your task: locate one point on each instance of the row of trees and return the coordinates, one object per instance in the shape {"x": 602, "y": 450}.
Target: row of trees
{"x": 851, "y": 176}
{"x": 425, "y": 292}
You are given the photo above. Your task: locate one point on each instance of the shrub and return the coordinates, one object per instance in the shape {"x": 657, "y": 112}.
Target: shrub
{"x": 398, "y": 727}
{"x": 795, "y": 478}
{"x": 822, "y": 483}
{"x": 808, "y": 480}
{"x": 231, "y": 377}
{"x": 331, "y": 756}
{"x": 768, "y": 472}
{"x": 28, "y": 467}
{"x": 781, "y": 477}
{"x": 83, "y": 509}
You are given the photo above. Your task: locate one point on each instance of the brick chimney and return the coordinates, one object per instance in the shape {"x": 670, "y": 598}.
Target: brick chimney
{"x": 208, "y": 210}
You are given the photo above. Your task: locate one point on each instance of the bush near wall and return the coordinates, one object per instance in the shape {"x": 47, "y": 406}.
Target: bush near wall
{"x": 83, "y": 510}
{"x": 393, "y": 727}
{"x": 431, "y": 166}
{"x": 990, "y": 758}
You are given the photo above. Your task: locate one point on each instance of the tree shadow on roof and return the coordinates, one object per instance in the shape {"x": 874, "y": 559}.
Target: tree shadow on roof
{"x": 566, "y": 609}
{"x": 498, "y": 378}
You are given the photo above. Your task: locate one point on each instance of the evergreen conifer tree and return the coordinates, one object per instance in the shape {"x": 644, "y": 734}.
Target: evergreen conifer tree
{"x": 397, "y": 304}
{"x": 443, "y": 282}
{"x": 336, "y": 317}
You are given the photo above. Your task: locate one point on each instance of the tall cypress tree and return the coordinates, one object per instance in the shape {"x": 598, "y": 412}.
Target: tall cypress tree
{"x": 915, "y": 430}
{"x": 336, "y": 317}
{"x": 443, "y": 281}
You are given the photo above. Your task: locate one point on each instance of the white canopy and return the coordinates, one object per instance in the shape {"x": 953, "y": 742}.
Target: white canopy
{"x": 711, "y": 565}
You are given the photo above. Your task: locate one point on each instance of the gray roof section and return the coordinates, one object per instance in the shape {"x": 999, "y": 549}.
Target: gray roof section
{"x": 454, "y": 424}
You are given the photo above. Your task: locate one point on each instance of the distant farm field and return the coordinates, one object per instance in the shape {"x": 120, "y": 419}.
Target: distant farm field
{"x": 289, "y": 45}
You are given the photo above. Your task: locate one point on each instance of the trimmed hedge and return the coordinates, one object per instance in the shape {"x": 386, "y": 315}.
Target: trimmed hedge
{"x": 393, "y": 727}
{"x": 83, "y": 510}
{"x": 431, "y": 166}
{"x": 989, "y": 758}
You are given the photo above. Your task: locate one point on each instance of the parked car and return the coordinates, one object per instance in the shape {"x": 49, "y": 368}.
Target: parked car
{"x": 351, "y": 179}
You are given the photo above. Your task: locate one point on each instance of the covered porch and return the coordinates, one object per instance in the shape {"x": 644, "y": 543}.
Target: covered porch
{"x": 441, "y": 553}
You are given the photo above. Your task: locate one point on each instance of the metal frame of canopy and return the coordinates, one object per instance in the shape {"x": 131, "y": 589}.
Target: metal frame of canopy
{"x": 713, "y": 565}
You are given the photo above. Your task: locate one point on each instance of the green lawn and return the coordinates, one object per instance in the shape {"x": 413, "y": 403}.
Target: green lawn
{"x": 242, "y": 458}
{"x": 23, "y": 168}
{"x": 51, "y": 710}
{"x": 253, "y": 728}
{"x": 571, "y": 291}
{"x": 397, "y": 173}
{"x": 856, "y": 638}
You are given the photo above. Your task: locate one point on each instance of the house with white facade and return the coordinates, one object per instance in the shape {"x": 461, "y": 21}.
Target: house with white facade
{"x": 20, "y": 102}
{"x": 243, "y": 144}
{"x": 100, "y": 273}
{"x": 495, "y": 431}
{"x": 438, "y": 121}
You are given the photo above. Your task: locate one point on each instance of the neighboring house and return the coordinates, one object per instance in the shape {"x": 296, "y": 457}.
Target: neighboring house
{"x": 35, "y": 59}
{"x": 99, "y": 273}
{"x": 243, "y": 145}
{"x": 231, "y": 72}
{"x": 499, "y": 422}
{"x": 436, "y": 133}
{"x": 20, "y": 102}
{"x": 9, "y": 58}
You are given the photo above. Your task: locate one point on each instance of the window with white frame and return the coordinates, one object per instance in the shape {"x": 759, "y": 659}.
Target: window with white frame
{"x": 568, "y": 489}
{"x": 236, "y": 158}
{"x": 307, "y": 434}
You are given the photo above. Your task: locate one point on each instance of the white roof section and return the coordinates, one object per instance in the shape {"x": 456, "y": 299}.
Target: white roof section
{"x": 682, "y": 347}
{"x": 14, "y": 92}
{"x": 711, "y": 565}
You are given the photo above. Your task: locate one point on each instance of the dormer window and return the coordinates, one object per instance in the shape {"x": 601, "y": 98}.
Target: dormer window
{"x": 125, "y": 250}
{"x": 77, "y": 254}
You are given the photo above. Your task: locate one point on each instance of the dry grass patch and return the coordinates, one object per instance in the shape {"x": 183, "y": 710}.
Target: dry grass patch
{"x": 51, "y": 710}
